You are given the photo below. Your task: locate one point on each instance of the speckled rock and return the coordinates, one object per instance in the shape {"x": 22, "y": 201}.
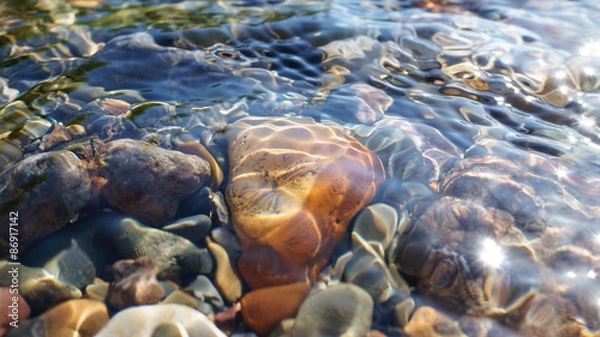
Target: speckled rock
{"x": 294, "y": 186}
{"x": 145, "y": 180}
{"x": 143, "y": 321}
{"x": 75, "y": 318}
{"x": 46, "y": 191}
{"x": 176, "y": 257}
{"x": 134, "y": 283}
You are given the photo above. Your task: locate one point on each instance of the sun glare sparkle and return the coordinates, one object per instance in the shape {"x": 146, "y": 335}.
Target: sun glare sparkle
{"x": 591, "y": 274}
{"x": 590, "y": 48}
{"x": 597, "y": 239}
{"x": 491, "y": 254}
{"x": 561, "y": 172}
{"x": 586, "y": 122}
{"x": 560, "y": 75}
{"x": 571, "y": 274}
{"x": 564, "y": 89}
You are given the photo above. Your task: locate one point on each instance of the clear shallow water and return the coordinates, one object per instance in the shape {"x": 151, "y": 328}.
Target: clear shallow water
{"x": 493, "y": 102}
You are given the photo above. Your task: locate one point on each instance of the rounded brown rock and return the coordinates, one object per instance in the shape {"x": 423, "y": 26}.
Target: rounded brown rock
{"x": 294, "y": 185}
{"x": 145, "y": 180}
{"x": 42, "y": 194}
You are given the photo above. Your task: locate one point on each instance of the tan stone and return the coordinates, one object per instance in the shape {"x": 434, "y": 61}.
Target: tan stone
{"x": 74, "y": 318}
{"x": 226, "y": 278}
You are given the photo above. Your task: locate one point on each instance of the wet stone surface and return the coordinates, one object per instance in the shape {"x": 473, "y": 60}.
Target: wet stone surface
{"x": 145, "y": 180}
{"x": 49, "y": 190}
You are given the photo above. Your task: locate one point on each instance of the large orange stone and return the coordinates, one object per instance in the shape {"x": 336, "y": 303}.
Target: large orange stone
{"x": 294, "y": 185}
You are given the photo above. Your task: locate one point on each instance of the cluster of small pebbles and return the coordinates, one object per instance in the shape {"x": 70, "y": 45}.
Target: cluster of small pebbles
{"x": 123, "y": 252}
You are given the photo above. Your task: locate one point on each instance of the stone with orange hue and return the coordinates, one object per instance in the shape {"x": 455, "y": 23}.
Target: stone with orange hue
{"x": 74, "y": 318}
{"x": 294, "y": 185}
{"x": 264, "y": 309}
{"x": 145, "y": 180}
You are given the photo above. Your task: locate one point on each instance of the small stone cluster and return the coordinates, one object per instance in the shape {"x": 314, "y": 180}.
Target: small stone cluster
{"x": 289, "y": 203}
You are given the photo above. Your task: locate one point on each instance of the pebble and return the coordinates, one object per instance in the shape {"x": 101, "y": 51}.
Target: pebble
{"x": 226, "y": 277}
{"x": 74, "y": 318}
{"x": 369, "y": 271}
{"x": 134, "y": 283}
{"x": 47, "y": 292}
{"x": 227, "y": 239}
{"x": 377, "y": 225}
{"x": 46, "y": 191}
{"x": 264, "y": 309}
{"x": 180, "y": 297}
{"x": 59, "y": 135}
{"x": 143, "y": 321}
{"x": 147, "y": 181}
{"x": 76, "y": 131}
{"x": 115, "y": 107}
{"x": 97, "y": 291}
{"x": 40, "y": 289}
{"x": 204, "y": 290}
{"x": 176, "y": 257}
{"x": 72, "y": 266}
{"x": 340, "y": 310}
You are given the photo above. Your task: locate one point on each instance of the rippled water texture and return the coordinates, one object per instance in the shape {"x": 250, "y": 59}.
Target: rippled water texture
{"x": 484, "y": 113}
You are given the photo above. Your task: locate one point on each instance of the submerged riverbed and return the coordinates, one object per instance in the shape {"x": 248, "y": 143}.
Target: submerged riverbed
{"x": 115, "y": 143}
